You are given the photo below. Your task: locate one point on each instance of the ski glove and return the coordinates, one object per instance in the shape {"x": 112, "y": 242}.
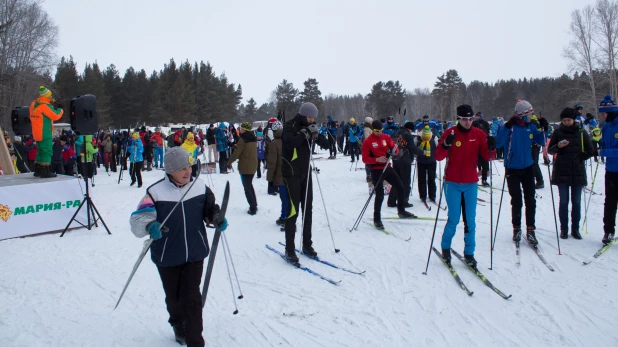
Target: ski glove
{"x": 305, "y": 132}
{"x": 223, "y": 224}
{"x": 491, "y": 143}
{"x": 511, "y": 123}
{"x": 313, "y": 128}
{"x": 449, "y": 140}
{"x": 154, "y": 229}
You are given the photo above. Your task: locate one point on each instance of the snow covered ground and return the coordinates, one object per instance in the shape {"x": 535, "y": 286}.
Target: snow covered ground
{"x": 61, "y": 291}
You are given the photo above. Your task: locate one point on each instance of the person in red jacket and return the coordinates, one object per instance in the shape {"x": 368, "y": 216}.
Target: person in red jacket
{"x": 376, "y": 150}
{"x": 461, "y": 145}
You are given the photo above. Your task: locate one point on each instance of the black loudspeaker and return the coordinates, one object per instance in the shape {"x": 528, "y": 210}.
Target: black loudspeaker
{"x": 84, "y": 114}
{"x": 20, "y": 121}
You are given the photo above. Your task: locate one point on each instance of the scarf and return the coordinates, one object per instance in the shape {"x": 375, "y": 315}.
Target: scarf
{"x": 426, "y": 145}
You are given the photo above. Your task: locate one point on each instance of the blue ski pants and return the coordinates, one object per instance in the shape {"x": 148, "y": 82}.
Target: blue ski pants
{"x": 455, "y": 193}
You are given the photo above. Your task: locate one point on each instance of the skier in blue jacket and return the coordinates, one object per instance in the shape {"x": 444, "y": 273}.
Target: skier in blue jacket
{"x": 517, "y": 137}
{"x": 354, "y": 133}
{"x": 608, "y": 111}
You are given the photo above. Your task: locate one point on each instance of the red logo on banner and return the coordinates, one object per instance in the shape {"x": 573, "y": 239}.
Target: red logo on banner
{"x": 5, "y": 212}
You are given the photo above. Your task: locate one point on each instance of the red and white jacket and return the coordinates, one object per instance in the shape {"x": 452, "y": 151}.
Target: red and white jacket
{"x": 376, "y": 146}
{"x": 463, "y": 155}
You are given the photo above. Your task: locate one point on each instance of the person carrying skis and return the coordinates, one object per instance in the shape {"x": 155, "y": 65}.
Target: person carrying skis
{"x": 426, "y": 165}
{"x": 461, "y": 145}
{"x": 608, "y": 111}
{"x": 572, "y": 147}
{"x": 179, "y": 247}
{"x": 298, "y": 133}
{"x": 377, "y": 148}
{"x": 517, "y": 137}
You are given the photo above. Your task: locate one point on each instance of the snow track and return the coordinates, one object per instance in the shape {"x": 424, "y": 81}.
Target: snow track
{"x": 61, "y": 291}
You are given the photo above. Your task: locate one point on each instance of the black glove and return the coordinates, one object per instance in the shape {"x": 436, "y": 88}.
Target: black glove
{"x": 511, "y": 123}
{"x": 57, "y": 105}
{"x": 305, "y": 132}
{"x": 491, "y": 143}
{"x": 582, "y": 156}
{"x": 449, "y": 140}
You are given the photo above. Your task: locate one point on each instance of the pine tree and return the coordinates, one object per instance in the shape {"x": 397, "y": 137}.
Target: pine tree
{"x": 66, "y": 84}
{"x": 312, "y": 94}
{"x": 92, "y": 83}
{"x": 385, "y": 99}
{"x": 250, "y": 110}
{"x": 286, "y": 99}
{"x": 450, "y": 92}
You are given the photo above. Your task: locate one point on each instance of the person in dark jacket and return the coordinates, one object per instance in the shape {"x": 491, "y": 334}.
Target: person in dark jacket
{"x": 483, "y": 164}
{"x": 222, "y": 147}
{"x": 536, "y": 150}
{"x": 517, "y": 137}
{"x": 274, "y": 175}
{"x": 21, "y": 152}
{"x": 426, "y": 165}
{"x": 179, "y": 251}
{"x": 298, "y": 133}
{"x": 402, "y": 164}
{"x": 608, "y": 111}
{"x": 572, "y": 147}
{"x": 212, "y": 147}
{"x": 57, "y": 165}
{"x": 246, "y": 154}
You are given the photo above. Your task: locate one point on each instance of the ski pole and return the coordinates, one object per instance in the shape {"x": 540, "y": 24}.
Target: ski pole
{"x": 308, "y": 177}
{"x": 317, "y": 177}
{"x": 591, "y": 193}
{"x": 553, "y": 204}
{"x": 491, "y": 218}
{"x": 506, "y": 160}
{"x": 435, "y": 224}
{"x": 226, "y": 245}
{"x": 585, "y": 224}
{"x": 229, "y": 276}
{"x": 413, "y": 174}
{"x": 494, "y": 163}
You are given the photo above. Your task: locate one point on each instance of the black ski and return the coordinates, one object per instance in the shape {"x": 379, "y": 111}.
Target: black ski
{"x": 538, "y": 253}
{"x": 453, "y": 272}
{"x": 481, "y": 276}
{"x": 215, "y": 243}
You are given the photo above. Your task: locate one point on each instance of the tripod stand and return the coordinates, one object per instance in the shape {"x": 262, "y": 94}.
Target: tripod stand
{"x": 91, "y": 210}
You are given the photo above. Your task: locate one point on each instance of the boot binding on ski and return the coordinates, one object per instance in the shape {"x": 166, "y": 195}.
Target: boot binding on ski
{"x": 291, "y": 258}
{"x": 446, "y": 256}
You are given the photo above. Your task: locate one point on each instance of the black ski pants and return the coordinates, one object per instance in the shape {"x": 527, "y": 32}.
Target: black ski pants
{"x": 346, "y": 150}
{"x": 332, "y": 146}
{"x": 184, "y": 299}
{"x": 391, "y": 176}
{"x": 427, "y": 180}
{"x": 516, "y": 180}
{"x": 136, "y": 172}
{"x": 536, "y": 150}
{"x": 483, "y": 165}
{"x": 611, "y": 201}
{"x": 223, "y": 162}
{"x": 404, "y": 171}
{"x": 354, "y": 150}
{"x": 296, "y": 188}
{"x": 247, "y": 184}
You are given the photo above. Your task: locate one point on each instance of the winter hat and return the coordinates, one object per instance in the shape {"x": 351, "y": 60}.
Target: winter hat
{"x": 272, "y": 120}
{"x": 44, "y": 92}
{"x": 568, "y": 113}
{"x": 409, "y": 125}
{"x": 222, "y": 125}
{"x": 480, "y": 114}
{"x": 277, "y": 125}
{"x": 534, "y": 117}
{"x": 135, "y": 136}
{"x": 579, "y": 107}
{"x": 368, "y": 120}
{"x": 259, "y": 134}
{"x": 176, "y": 158}
{"x": 246, "y": 126}
{"x": 425, "y": 117}
{"x": 426, "y": 131}
{"x": 608, "y": 105}
{"x": 352, "y": 120}
{"x": 596, "y": 134}
{"x": 523, "y": 108}
{"x": 308, "y": 110}
{"x": 464, "y": 111}
{"x": 190, "y": 136}
{"x": 376, "y": 125}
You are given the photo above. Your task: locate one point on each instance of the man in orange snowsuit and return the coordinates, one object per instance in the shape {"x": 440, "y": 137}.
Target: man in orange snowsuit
{"x": 43, "y": 112}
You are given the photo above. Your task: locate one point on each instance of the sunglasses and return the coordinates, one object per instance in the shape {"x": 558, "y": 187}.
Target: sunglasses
{"x": 469, "y": 119}
{"x": 377, "y": 130}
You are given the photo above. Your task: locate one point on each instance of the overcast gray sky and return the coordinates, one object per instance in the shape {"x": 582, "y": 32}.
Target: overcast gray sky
{"x": 347, "y": 45}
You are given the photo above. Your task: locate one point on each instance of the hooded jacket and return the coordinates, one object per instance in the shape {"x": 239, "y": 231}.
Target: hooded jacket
{"x": 135, "y": 149}
{"x": 42, "y": 116}
{"x": 609, "y": 144}
{"x": 245, "y": 153}
{"x": 274, "y": 162}
{"x": 517, "y": 143}
{"x": 569, "y": 167}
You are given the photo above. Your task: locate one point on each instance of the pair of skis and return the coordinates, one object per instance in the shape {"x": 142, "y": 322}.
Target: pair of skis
{"x": 390, "y": 233}
{"x": 473, "y": 269}
{"x": 601, "y": 251}
{"x": 306, "y": 269}
{"x": 536, "y": 250}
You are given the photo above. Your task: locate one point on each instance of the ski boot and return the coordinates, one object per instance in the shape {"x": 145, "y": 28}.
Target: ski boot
{"x": 516, "y": 234}
{"x": 46, "y": 171}
{"x": 405, "y": 214}
{"x": 607, "y": 238}
{"x": 408, "y": 205}
{"x": 575, "y": 233}
{"x": 309, "y": 251}
{"x": 485, "y": 184}
{"x": 564, "y": 234}
{"x": 469, "y": 258}
{"x": 291, "y": 258}
{"x": 446, "y": 255}
{"x": 180, "y": 334}
{"x": 280, "y": 221}
{"x": 252, "y": 211}
{"x": 378, "y": 224}
{"x": 531, "y": 237}
{"x": 37, "y": 170}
